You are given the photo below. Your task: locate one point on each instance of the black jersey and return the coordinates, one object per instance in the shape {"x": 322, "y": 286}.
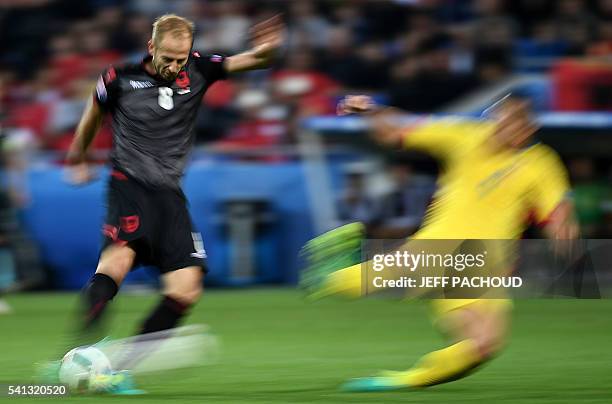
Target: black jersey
{"x": 153, "y": 119}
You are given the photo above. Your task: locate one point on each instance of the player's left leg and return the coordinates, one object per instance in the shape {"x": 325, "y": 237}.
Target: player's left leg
{"x": 478, "y": 332}
{"x": 477, "y": 329}
{"x": 114, "y": 264}
{"x": 181, "y": 260}
{"x": 182, "y": 288}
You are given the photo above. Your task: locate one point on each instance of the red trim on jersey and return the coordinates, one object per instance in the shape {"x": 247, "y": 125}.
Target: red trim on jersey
{"x": 110, "y": 75}
{"x": 119, "y": 175}
{"x": 548, "y": 219}
{"x": 531, "y": 217}
{"x": 130, "y": 224}
{"x": 182, "y": 80}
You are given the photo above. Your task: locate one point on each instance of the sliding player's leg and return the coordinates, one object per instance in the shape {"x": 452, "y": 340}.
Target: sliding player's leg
{"x": 335, "y": 268}
{"x": 333, "y": 262}
{"x": 476, "y": 329}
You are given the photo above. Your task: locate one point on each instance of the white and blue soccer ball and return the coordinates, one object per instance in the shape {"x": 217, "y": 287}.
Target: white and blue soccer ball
{"x": 84, "y": 369}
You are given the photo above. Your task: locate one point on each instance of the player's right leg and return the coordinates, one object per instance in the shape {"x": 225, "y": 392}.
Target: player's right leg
{"x": 115, "y": 263}
{"x": 123, "y": 230}
{"x": 123, "y": 227}
{"x": 477, "y": 329}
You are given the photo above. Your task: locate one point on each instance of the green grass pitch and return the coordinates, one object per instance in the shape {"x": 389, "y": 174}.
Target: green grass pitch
{"x": 277, "y": 348}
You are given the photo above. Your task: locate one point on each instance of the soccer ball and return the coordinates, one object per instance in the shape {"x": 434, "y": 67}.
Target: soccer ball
{"x": 82, "y": 369}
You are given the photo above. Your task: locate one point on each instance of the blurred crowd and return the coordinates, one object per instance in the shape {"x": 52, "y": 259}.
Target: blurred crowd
{"x": 419, "y": 55}
{"x": 415, "y": 54}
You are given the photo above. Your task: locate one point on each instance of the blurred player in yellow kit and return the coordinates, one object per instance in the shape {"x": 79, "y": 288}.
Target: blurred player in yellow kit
{"x": 494, "y": 180}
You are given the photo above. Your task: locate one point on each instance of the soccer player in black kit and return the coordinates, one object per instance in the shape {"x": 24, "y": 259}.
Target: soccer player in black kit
{"x": 153, "y": 106}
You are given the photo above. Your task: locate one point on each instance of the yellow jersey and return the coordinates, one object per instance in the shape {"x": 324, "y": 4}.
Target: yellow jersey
{"x": 484, "y": 192}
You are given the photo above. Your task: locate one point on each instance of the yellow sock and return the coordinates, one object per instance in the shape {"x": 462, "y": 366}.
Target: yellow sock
{"x": 345, "y": 282}
{"x": 442, "y": 366}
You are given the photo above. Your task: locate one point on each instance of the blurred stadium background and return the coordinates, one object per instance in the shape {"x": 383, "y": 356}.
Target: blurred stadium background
{"x": 273, "y": 166}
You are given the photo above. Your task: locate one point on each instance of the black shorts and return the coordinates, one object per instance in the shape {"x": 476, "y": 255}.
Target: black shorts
{"x": 154, "y": 222}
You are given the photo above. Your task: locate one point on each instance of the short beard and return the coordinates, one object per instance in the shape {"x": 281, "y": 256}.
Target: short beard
{"x": 161, "y": 74}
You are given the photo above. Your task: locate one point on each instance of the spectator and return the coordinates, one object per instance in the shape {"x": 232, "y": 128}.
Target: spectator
{"x": 301, "y": 85}
{"x": 231, "y": 26}
{"x": 575, "y": 25}
{"x": 257, "y": 128}
{"x": 307, "y": 27}
{"x": 404, "y": 207}
{"x": 493, "y": 27}
{"x": 340, "y": 59}
{"x": 355, "y": 204}
{"x": 425, "y": 83}
{"x": 20, "y": 266}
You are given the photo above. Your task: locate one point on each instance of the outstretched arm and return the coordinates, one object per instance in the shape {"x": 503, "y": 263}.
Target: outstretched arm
{"x": 267, "y": 37}
{"x": 386, "y": 128}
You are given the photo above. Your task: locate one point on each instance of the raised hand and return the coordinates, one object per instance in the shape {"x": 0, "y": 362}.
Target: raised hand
{"x": 355, "y": 104}
{"x": 267, "y": 36}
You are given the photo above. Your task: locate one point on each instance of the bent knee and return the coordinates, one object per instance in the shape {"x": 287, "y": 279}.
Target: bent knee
{"x": 187, "y": 296}
{"x": 116, "y": 262}
{"x": 184, "y": 285}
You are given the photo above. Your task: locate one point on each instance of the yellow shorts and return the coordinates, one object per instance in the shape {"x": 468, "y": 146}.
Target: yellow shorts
{"x": 440, "y": 307}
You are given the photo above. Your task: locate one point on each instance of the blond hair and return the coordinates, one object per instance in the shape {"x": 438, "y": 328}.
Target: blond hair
{"x": 172, "y": 24}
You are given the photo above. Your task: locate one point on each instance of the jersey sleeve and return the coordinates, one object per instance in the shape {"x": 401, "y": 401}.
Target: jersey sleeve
{"x": 107, "y": 88}
{"x": 550, "y": 185}
{"x": 210, "y": 66}
{"x": 441, "y": 138}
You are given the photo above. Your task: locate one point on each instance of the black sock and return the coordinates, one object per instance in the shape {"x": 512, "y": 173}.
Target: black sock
{"x": 166, "y": 315}
{"x": 96, "y": 294}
